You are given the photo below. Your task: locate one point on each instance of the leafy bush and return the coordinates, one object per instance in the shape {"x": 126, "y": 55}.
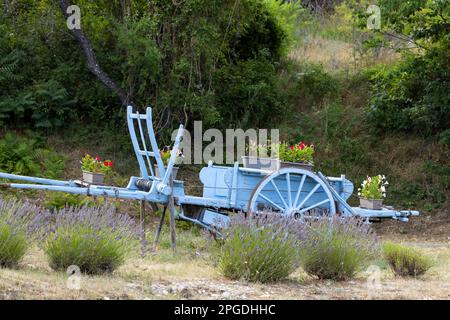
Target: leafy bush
{"x": 309, "y": 85}
{"x": 249, "y": 93}
{"x": 14, "y": 231}
{"x": 28, "y": 156}
{"x": 46, "y": 85}
{"x": 96, "y": 239}
{"x": 414, "y": 95}
{"x": 336, "y": 248}
{"x": 405, "y": 261}
{"x": 60, "y": 200}
{"x": 259, "y": 249}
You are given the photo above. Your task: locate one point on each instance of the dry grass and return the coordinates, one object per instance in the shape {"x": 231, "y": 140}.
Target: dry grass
{"x": 188, "y": 274}
{"x": 337, "y": 55}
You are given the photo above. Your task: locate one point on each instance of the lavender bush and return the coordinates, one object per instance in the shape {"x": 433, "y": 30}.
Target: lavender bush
{"x": 336, "y": 248}
{"x": 406, "y": 261}
{"x": 258, "y": 249}
{"x": 96, "y": 239}
{"x": 15, "y": 219}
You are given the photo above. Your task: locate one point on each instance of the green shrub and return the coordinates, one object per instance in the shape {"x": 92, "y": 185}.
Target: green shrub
{"x": 258, "y": 249}
{"x": 14, "y": 228}
{"x": 59, "y": 200}
{"x": 405, "y": 261}
{"x": 336, "y": 248}
{"x": 29, "y": 156}
{"x": 414, "y": 95}
{"x": 96, "y": 239}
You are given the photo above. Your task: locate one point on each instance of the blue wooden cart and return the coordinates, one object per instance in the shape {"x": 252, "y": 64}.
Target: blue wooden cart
{"x": 290, "y": 191}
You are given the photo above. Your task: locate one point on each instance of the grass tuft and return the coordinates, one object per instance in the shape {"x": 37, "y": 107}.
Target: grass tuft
{"x": 405, "y": 261}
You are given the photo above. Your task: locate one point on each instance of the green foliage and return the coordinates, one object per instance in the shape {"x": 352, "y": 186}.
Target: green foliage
{"x": 59, "y": 200}
{"x": 308, "y": 85}
{"x": 95, "y": 239}
{"x": 257, "y": 249}
{"x": 405, "y": 261}
{"x": 14, "y": 224}
{"x": 252, "y": 83}
{"x": 27, "y": 156}
{"x": 95, "y": 165}
{"x": 297, "y": 153}
{"x": 373, "y": 187}
{"x": 337, "y": 248}
{"x": 168, "y": 54}
{"x": 414, "y": 95}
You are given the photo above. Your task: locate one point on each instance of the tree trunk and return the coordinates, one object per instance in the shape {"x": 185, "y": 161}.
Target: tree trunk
{"x": 92, "y": 62}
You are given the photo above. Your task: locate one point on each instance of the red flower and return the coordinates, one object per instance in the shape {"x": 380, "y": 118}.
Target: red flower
{"x": 108, "y": 163}
{"x": 97, "y": 158}
{"x": 301, "y": 146}
{"x": 292, "y": 147}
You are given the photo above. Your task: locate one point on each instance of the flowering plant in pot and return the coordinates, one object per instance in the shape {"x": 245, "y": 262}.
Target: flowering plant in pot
{"x": 94, "y": 169}
{"x": 165, "y": 156}
{"x": 262, "y": 156}
{"x": 300, "y": 155}
{"x": 372, "y": 192}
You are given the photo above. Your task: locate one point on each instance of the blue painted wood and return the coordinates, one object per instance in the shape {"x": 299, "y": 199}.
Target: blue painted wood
{"x": 153, "y": 142}
{"x": 134, "y": 140}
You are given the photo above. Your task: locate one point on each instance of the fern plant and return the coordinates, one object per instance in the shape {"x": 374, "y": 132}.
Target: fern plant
{"x": 27, "y": 156}
{"x": 9, "y": 65}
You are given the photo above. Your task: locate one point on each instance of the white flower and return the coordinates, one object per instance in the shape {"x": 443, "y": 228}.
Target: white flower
{"x": 383, "y": 189}
{"x": 384, "y": 177}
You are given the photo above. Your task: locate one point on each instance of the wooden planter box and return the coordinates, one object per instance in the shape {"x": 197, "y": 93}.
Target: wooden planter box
{"x": 250, "y": 162}
{"x": 93, "y": 177}
{"x": 158, "y": 175}
{"x": 299, "y": 165}
{"x": 374, "y": 204}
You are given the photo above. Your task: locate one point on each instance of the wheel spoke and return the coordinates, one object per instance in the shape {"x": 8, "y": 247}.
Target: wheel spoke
{"x": 308, "y": 196}
{"x": 299, "y": 190}
{"x": 270, "y": 201}
{"x": 288, "y": 182}
{"x": 279, "y": 193}
{"x": 315, "y": 205}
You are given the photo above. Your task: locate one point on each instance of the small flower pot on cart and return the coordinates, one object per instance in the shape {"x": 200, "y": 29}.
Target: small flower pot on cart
{"x": 299, "y": 165}
{"x": 158, "y": 175}
{"x": 93, "y": 177}
{"x": 374, "y": 204}
{"x": 261, "y": 163}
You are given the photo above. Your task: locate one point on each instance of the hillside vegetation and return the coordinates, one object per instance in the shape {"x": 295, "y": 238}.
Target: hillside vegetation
{"x": 371, "y": 101}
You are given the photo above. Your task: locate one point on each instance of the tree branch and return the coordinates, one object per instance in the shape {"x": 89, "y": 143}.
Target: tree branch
{"x": 92, "y": 62}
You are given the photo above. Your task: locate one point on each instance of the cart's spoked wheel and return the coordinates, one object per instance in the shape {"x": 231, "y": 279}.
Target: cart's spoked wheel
{"x": 292, "y": 191}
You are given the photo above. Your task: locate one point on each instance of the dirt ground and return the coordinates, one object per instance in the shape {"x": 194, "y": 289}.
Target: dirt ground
{"x": 188, "y": 273}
